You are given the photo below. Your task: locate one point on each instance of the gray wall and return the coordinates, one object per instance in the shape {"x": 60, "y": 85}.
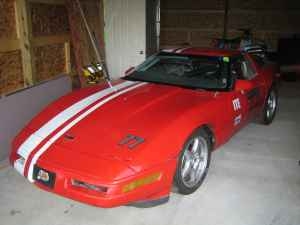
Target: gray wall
{"x": 18, "y": 108}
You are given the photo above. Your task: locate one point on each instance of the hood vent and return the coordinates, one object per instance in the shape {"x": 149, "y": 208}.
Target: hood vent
{"x": 69, "y": 136}
{"x": 131, "y": 141}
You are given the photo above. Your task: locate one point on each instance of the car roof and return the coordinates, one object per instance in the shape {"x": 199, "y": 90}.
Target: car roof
{"x": 203, "y": 51}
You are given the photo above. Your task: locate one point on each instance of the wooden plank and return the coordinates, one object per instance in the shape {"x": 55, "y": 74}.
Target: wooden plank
{"x": 265, "y": 5}
{"x": 190, "y": 29}
{"x": 7, "y": 45}
{"x": 192, "y": 4}
{"x": 54, "y": 2}
{"x": 7, "y": 23}
{"x": 49, "y": 61}
{"x": 226, "y": 19}
{"x": 192, "y": 20}
{"x": 263, "y": 11}
{"x": 68, "y": 58}
{"x": 24, "y": 31}
{"x": 282, "y": 31}
{"x": 49, "y": 19}
{"x": 11, "y": 73}
{"x": 200, "y": 11}
{"x": 50, "y": 40}
{"x": 174, "y": 37}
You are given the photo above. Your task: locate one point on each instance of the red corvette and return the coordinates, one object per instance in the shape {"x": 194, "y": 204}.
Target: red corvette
{"x": 154, "y": 129}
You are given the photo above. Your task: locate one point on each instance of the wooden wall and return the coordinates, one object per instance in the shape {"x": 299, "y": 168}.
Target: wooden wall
{"x": 11, "y": 71}
{"x": 269, "y": 19}
{"x": 197, "y": 22}
{"x": 34, "y": 42}
{"x": 193, "y": 22}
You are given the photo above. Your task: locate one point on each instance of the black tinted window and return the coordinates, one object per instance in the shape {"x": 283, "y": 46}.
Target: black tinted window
{"x": 205, "y": 72}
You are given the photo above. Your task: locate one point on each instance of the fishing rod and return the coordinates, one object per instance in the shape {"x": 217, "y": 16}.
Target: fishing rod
{"x": 94, "y": 45}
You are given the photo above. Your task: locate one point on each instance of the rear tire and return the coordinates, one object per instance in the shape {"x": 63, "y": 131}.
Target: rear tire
{"x": 193, "y": 162}
{"x": 270, "y": 107}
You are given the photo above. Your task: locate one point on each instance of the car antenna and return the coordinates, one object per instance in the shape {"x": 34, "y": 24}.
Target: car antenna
{"x": 92, "y": 38}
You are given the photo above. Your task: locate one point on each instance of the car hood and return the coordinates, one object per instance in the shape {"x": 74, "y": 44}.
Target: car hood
{"x": 143, "y": 112}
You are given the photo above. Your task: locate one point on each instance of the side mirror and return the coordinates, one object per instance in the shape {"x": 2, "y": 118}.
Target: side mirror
{"x": 241, "y": 85}
{"x": 129, "y": 71}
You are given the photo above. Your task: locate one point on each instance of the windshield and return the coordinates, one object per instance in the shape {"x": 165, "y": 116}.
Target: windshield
{"x": 203, "y": 72}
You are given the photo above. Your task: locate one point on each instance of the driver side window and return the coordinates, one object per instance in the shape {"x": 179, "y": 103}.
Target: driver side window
{"x": 242, "y": 69}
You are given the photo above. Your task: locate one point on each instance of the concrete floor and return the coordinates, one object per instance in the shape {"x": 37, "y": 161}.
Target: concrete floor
{"x": 254, "y": 179}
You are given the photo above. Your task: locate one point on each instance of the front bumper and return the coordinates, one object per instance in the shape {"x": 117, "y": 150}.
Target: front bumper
{"x": 115, "y": 194}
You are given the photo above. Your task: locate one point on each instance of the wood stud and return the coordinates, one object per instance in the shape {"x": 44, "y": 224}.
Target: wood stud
{"x": 23, "y": 31}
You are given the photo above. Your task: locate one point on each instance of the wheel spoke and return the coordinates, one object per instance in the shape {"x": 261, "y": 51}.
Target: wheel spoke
{"x": 193, "y": 176}
{"x": 188, "y": 155}
{"x": 186, "y": 169}
{"x": 268, "y": 113}
{"x": 195, "y": 145}
{"x": 271, "y": 105}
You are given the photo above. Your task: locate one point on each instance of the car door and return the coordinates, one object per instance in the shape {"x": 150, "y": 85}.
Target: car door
{"x": 238, "y": 102}
{"x": 245, "y": 70}
{"x": 257, "y": 92}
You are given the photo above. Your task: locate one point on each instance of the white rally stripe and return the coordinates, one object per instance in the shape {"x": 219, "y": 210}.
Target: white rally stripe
{"x": 169, "y": 50}
{"x": 70, "y": 125}
{"x": 37, "y": 137}
{"x": 182, "y": 49}
{"x": 19, "y": 165}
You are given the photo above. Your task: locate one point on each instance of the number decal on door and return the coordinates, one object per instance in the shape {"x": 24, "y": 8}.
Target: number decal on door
{"x": 236, "y": 104}
{"x": 237, "y": 120}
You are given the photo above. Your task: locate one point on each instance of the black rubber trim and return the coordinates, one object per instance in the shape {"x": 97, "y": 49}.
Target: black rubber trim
{"x": 253, "y": 93}
{"x": 151, "y": 203}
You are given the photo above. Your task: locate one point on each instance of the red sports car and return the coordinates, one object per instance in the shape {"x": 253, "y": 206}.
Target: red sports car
{"x": 155, "y": 128}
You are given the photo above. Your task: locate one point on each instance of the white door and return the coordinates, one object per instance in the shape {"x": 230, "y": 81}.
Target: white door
{"x": 125, "y": 34}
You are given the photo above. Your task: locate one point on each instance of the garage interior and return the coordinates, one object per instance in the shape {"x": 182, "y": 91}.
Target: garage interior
{"x": 44, "y": 46}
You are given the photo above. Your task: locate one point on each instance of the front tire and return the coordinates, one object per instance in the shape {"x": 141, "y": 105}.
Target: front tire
{"x": 193, "y": 162}
{"x": 270, "y": 107}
